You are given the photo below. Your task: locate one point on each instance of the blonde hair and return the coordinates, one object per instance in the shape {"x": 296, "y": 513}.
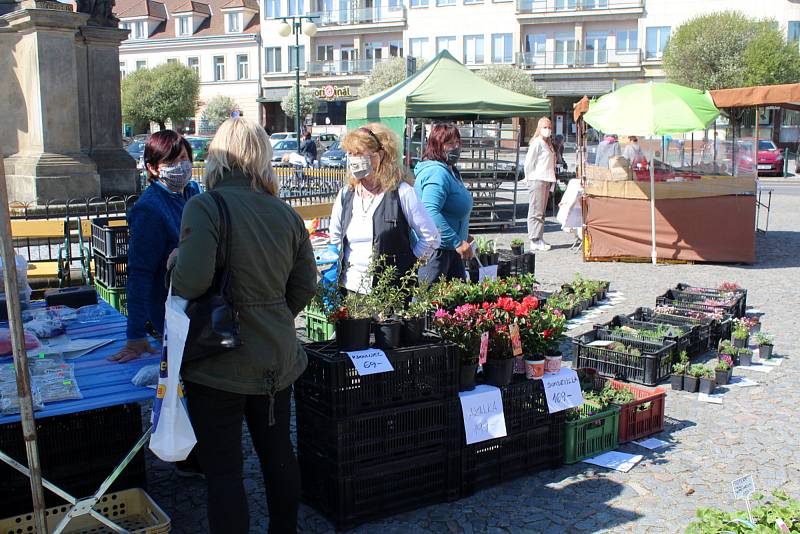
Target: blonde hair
{"x": 241, "y": 144}
{"x": 389, "y": 172}
{"x": 545, "y": 121}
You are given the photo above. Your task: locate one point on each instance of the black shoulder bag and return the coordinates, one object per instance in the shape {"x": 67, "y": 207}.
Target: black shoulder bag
{"x": 214, "y": 325}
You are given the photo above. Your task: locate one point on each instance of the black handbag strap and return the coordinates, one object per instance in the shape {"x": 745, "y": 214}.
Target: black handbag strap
{"x": 222, "y": 274}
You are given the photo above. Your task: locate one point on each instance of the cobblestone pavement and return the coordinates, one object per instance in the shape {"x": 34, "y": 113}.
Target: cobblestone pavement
{"x": 755, "y": 430}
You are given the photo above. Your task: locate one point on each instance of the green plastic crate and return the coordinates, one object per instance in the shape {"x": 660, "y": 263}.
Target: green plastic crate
{"x": 317, "y": 326}
{"x": 117, "y": 297}
{"x": 593, "y": 435}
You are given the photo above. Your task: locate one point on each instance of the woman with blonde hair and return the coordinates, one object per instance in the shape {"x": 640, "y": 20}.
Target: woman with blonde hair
{"x": 273, "y": 277}
{"x": 377, "y": 212}
{"x": 540, "y": 173}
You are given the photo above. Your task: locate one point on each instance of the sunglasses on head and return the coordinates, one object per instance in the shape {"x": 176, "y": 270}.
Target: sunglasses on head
{"x": 372, "y": 134}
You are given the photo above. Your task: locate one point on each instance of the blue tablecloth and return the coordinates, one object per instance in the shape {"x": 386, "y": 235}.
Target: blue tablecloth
{"x": 102, "y": 383}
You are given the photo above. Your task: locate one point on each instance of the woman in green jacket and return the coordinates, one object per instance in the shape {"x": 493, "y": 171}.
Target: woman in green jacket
{"x": 273, "y": 277}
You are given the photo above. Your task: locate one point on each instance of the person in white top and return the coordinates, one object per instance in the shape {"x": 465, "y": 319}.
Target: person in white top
{"x": 540, "y": 173}
{"x": 378, "y": 210}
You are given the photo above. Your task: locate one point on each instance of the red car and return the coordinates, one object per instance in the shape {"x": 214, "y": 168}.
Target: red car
{"x": 770, "y": 159}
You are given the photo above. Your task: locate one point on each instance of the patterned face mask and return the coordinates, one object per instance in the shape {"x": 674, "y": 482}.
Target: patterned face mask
{"x": 176, "y": 176}
{"x": 359, "y": 166}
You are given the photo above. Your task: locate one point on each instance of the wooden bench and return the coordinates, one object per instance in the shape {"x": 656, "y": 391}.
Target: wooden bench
{"x": 314, "y": 211}
{"x": 41, "y": 230}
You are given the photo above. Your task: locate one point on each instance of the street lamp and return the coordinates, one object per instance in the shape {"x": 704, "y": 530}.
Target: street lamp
{"x": 296, "y": 25}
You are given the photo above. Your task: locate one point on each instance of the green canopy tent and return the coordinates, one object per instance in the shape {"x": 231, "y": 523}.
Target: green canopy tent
{"x": 442, "y": 88}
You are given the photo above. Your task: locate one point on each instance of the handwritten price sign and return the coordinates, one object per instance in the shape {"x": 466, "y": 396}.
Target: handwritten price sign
{"x": 482, "y": 409}
{"x": 370, "y": 361}
{"x": 563, "y": 390}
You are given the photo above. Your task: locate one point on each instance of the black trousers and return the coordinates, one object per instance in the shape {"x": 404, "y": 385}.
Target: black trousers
{"x": 443, "y": 262}
{"x": 217, "y": 420}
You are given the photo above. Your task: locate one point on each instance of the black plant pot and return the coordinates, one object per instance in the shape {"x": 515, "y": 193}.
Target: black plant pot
{"x": 722, "y": 378}
{"x": 503, "y": 269}
{"x": 466, "y": 376}
{"x": 352, "y": 334}
{"x": 387, "y": 334}
{"x": 676, "y": 381}
{"x": 517, "y": 250}
{"x": 530, "y": 263}
{"x": 707, "y": 385}
{"x": 690, "y": 384}
{"x": 495, "y": 258}
{"x": 765, "y": 352}
{"x": 412, "y": 330}
{"x": 485, "y": 258}
{"x": 499, "y": 372}
{"x": 473, "y": 274}
{"x": 745, "y": 359}
{"x": 739, "y": 343}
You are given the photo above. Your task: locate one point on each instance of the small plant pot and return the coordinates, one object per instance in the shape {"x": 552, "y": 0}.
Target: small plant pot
{"x": 466, "y": 376}
{"x": 530, "y": 263}
{"x": 552, "y": 364}
{"x": 412, "y": 330}
{"x": 722, "y": 377}
{"x": 519, "y": 365}
{"x": 387, "y": 334}
{"x": 676, "y": 381}
{"x": 495, "y": 258}
{"x": 517, "y": 250}
{"x": 690, "y": 384}
{"x": 707, "y": 385}
{"x": 534, "y": 369}
{"x": 745, "y": 360}
{"x": 739, "y": 342}
{"x": 484, "y": 258}
{"x": 765, "y": 352}
{"x": 498, "y": 372}
{"x": 352, "y": 334}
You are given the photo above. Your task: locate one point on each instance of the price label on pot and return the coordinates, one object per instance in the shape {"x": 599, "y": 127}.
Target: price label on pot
{"x": 488, "y": 272}
{"x": 743, "y": 487}
{"x": 370, "y": 361}
{"x": 483, "y": 414}
{"x": 563, "y": 390}
{"x": 484, "y": 348}
{"x": 516, "y": 343}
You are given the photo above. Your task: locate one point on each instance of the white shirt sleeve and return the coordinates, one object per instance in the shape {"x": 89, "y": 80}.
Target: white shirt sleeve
{"x": 530, "y": 158}
{"x": 335, "y": 230}
{"x": 420, "y": 221}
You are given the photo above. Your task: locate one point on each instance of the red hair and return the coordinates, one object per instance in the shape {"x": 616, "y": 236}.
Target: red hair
{"x": 164, "y": 147}
{"x": 441, "y": 134}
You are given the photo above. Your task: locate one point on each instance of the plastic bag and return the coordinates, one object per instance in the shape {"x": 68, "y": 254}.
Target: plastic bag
{"x": 147, "y": 376}
{"x": 58, "y": 384}
{"x": 94, "y": 313}
{"x": 9, "y": 401}
{"x": 51, "y": 313}
{"x": 45, "y": 329}
{"x": 22, "y": 274}
{"x": 31, "y": 341}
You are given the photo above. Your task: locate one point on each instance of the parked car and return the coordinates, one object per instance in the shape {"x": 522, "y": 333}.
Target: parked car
{"x": 280, "y": 136}
{"x": 770, "y": 158}
{"x": 334, "y": 157}
{"x": 324, "y": 141}
{"x": 283, "y": 148}
{"x": 136, "y": 151}
{"x": 199, "y": 147}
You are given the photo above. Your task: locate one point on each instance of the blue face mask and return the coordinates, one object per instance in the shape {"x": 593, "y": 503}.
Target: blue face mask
{"x": 176, "y": 176}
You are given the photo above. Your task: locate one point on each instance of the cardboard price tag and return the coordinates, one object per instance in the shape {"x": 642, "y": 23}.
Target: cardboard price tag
{"x": 484, "y": 348}
{"x": 482, "y": 409}
{"x": 370, "y": 361}
{"x": 562, "y": 390}
{"x": 516, "y": 342}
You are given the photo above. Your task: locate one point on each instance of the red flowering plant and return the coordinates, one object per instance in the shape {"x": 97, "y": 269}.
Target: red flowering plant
{"x": 463, "y": 327}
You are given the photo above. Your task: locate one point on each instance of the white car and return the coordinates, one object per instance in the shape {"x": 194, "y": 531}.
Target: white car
{"x": 281, "y": 136}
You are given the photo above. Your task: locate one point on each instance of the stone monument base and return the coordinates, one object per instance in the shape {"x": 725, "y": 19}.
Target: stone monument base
{"x": 41, "y": 177}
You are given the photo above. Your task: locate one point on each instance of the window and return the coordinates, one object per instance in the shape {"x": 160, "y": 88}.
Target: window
{"x": 793, "y": 31}
{"x": 295, "y": 7}
{"x": 473, "y": 49}
{"x": 374, "y": 51}
{"x": 184, "y": 26}
{"x": 419, "y": 47}
{"x": 171, "y": 60}
{"x": 293, "y": 57}
{"x": 141, "y": 64}
{"x": 234, "y": 21}
{"x": 565, "y": 49}
{"x": 395, "y": 5}
{"x": 219, "y": 68}
{"x": 535, "y": 44}
{"x": 396, "y": 48}
{"x": 445, "y": 2}
{"x": 468, "y": 2}
{"x": 272, "y": 59}
{"x": 272, "y": 9}
{"x": 446, "y": 43}
{"x": 242, "y": 67}
{"x": 627, "y": 40}
{"x": 194, "y": 63}
{"x": 324, "y": 52}
{"x": 596, "y": 49}
{"x": 122, "y": 69}
{"x": 657, "y": 39}
{"x": 419, "y": 3}
{"x": 137, "y": 30}
{"x": 501, "y": 48}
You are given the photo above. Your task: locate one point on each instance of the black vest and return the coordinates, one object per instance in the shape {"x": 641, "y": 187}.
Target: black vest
{"x": 391, "y": 235}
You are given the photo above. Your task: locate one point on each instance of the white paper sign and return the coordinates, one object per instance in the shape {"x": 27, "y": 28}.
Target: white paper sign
{"x": 370, "y": 361}
{"x": 619, "y": 461}
{"x": 563, "y": 390}
{"x": 651, "y": 443}
{"x": 743, "y": 487}
{"x": 489, "y": 272}
{"x": 482, "y": 409}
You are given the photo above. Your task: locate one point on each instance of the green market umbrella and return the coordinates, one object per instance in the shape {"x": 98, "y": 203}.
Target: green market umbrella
{"x": 645, "y": 109}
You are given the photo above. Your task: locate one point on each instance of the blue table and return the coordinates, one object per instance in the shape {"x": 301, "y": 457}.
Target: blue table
{"x": 102, "y": 383}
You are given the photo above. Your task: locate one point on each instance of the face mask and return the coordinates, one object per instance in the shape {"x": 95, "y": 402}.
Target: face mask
{"x": 545, "y": 132}
{"x": 453, "y": 155}
{"x": 176, "y": 176}
{"x": 359, "y": 166}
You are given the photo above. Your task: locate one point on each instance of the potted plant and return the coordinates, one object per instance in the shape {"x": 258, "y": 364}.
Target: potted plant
{"x": 727, "y": 348}
{"x": 499, "y": 367}
{"x": 679, "y": 371}
{"x": 352, "y": 319}
{"x": 460, "y": 327}
{"x": 723, "y": 369}
{"x": 517, "y": 245}
{"x": 387, "y": 299}
{"x": 739, "y": 335}
{"x": 764, "y": 342}
{"x": 418, "y": 304}
{"x": 745, "y": 357}
{"x": 486, "y": 251}
{"x": 692, "y": 379}
{"x": 707, "y": 382}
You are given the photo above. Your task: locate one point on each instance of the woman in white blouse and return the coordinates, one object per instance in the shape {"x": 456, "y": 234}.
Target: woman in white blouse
{"x": 378, "y": 212}
{"x": 540, "y": 173}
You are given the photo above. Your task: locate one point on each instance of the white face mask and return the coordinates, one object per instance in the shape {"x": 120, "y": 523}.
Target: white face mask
{"x": 545, "y": 132}
{"x": 359, "y": 166}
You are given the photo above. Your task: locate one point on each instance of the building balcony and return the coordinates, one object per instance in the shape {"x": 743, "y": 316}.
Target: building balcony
{"x": 581, "y": 61}
{"x": 357, "y": 67}
{"x": 391, "y": 16}
{"x": 559, "y": 10}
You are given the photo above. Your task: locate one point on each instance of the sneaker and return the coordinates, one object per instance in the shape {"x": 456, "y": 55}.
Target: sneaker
{"x": 540, "y": 245}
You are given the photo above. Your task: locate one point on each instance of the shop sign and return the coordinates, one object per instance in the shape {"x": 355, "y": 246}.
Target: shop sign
{"x": 332, "y": 92}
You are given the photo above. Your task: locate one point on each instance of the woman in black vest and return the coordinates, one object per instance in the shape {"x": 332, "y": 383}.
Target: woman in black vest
{"x": 377, "y": 211}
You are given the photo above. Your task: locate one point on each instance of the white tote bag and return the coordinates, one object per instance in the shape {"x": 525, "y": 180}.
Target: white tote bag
{"x": 173, "y": 436}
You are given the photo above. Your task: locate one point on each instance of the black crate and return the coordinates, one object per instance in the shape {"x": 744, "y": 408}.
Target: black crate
{"x": 380, "y": 491}
{"x": 112, "y": 272}
{"x": 701, "y": 335}
{"x": 653, "y": 366}
{"x": 499, "y": 460}
{"x": 77, "y": 452}
{"x": 694, "y": 301}
{"x": 107, "y": 240}
{"x": 331, "y": 385}
{"x": 685, "y": 341}
{"x": 362, "y": 441}
{"x": 515, "y": 265}
{"x": 740, "y": 295}
{"x": 524, "y": 405}
{"x": 720, "y": 328}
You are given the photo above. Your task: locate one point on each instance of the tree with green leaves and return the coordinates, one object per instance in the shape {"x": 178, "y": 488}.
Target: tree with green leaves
{"x": 308, "y": 102}
{"x": 219, "y": 109}
{"x": 166, "y": 92}
{"x": 511, "y": 78}
{"x": 385, "y": 74}
{"x": 728, "y": 49}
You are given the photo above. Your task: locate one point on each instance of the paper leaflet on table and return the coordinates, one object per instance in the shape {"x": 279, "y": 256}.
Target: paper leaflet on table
{"x": 619, "y": 461}
{"x": 742, "y": 381}
{"x": 69, "y": 348}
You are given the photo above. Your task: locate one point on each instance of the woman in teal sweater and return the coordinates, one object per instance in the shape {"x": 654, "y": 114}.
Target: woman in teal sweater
{"x": 439, "y": 186}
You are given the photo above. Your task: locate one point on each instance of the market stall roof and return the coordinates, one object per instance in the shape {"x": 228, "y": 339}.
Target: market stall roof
{"x": 762, "y": 95}
{"x": 446, "y": 88}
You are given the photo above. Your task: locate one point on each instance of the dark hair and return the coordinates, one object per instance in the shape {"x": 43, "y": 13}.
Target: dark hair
{"x": 307, "y": 135}
{"x": 162, "y": 146}
{"x": 441, "y": 134}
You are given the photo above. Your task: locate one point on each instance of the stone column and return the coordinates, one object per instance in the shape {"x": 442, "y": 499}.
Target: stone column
{"x": 39, "y": 81}
{"x": 101, "y": 123}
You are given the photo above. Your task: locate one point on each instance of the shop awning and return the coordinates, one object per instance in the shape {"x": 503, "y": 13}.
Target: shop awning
{"x": 762, "y": 95}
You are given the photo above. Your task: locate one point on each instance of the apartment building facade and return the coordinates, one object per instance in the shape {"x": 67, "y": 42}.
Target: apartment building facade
{"x": 220, "y": 39}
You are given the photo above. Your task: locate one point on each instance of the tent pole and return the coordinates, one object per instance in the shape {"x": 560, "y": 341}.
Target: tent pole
{"x": 653, "y": 206}
{"x": 20, "y": 357}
